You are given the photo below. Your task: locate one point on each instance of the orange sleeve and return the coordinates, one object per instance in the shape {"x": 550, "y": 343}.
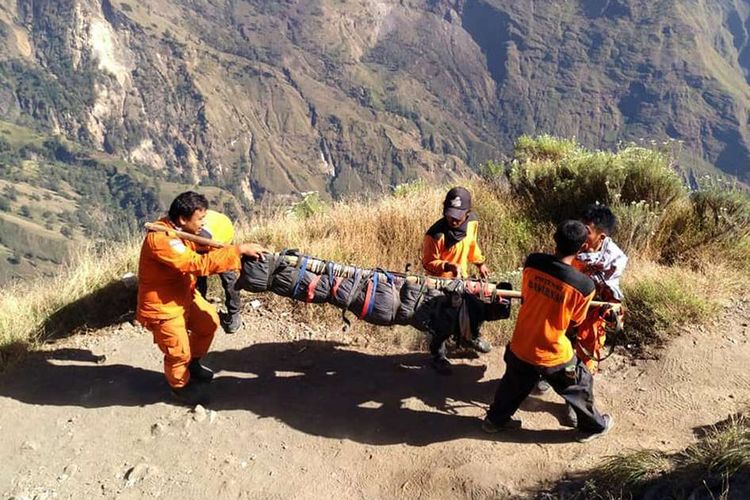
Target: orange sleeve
{"x": 581, "y": 309}
{"x": 431, "y": 260}
{"x": 174, "y": 253}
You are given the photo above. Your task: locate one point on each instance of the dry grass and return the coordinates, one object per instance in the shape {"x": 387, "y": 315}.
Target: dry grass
{"x": 26, "y": 308}
{"x": 661, "y": 299}
{"x": 716, "y": 466}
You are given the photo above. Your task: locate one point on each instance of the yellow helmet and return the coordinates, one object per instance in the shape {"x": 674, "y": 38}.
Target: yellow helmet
{"x": 218, "y": 226}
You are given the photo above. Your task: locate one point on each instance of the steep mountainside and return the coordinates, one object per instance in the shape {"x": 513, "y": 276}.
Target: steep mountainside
{"x": 350, "y": 95}
{"x": 269, "y": 99}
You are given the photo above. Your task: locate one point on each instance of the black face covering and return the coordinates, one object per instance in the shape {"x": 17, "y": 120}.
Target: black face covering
{"x": 453, "y": 236}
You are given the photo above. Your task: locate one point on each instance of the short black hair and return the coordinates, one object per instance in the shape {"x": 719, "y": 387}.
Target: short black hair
{"x": 601, "y": 217}
{"x": 186, "y": 204}
{"x": 570, "y": 236}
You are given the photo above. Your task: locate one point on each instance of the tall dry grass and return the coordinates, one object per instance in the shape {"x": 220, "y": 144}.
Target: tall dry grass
{"x": 717, "y": 465}
{"x": 25, "y": 308}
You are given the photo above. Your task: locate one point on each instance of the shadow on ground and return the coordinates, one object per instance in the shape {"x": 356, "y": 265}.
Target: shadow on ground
{"x": 319, "y": 388}
{"x": 109, "y": 305}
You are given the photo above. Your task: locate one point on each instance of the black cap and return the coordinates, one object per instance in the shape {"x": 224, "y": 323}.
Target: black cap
{"x": 457, "y": 202}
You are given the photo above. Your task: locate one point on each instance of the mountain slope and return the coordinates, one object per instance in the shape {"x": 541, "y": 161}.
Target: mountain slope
{"x": 276, "y": 98}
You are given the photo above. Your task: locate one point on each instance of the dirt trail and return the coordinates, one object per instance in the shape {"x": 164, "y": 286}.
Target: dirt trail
{"x": 323, "y": 418}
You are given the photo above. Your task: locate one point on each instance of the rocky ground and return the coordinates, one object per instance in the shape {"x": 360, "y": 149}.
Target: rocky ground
{"x": 298, "y": 412}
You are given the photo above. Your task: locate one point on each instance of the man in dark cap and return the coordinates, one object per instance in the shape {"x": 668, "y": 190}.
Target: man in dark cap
{"x": 450, "y": 245}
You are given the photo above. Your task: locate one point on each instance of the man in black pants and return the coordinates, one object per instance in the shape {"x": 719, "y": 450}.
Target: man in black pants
{"x": 219, "y": 227}
{"x": 555, "y": 295}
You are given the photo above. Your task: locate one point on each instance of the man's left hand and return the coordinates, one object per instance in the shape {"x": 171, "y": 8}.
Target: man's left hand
{"x": 484, "y": 272}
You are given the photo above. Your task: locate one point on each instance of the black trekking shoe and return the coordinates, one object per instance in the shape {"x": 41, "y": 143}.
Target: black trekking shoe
{"x": 585, "y": 437}
{"x": 441, "y": 365}
{"x": 541, "y": 387}
{"x": 192, "y": 394}
{"x": 569, "y": 418}
{"x": 480, "y": 345}
{"x": 491, "y": 427}
{"x": 231, "y": 324}
{"x": 199, "y": 372}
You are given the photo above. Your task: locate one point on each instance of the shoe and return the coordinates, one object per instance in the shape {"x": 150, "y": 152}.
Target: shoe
{"x": 192, "y": 394}
{"x": 491, "y": 427}
{"x": 541, "y": 387}
{"x": 609, "y": 422}
{"x": 232, "y": 324}
{"x": 199, "y": 372}
{"x": 480, "y": 345}
{"x": 569, "y": 418}
{"x": 441, "y": 365}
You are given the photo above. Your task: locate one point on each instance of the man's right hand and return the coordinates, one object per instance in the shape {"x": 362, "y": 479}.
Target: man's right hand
{"x": 252, "y": 250}
{"x": 452, "y": 268}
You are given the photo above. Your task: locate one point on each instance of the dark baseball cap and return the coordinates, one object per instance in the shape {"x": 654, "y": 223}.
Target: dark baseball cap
{"x": 457, "y": 202}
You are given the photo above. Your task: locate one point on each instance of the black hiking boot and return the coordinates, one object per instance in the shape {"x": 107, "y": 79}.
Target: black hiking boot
{"x": 231, "y": 323}
{"x": 491, "y": 427}
{"x": 192, "y": 394}
{"x": 585, "y": 437}
{"x": 479, "y": 345}
{"x": 569, "y": 418}
{"x": 199, "y": 372}
{"x": 441, "y": 365}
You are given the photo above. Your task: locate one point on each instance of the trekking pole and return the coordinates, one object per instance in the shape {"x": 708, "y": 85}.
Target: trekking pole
{"x": 185, "y": 236}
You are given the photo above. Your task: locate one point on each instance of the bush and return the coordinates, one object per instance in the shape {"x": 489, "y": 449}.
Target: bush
{"x": 544, "y": 148}
{"x": 556, "y": 180}
{"x": 310, "y": 205}
{"x": 713, "y": 219}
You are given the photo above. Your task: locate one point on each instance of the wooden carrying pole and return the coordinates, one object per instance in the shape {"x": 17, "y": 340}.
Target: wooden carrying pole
{"x": 185, "y": 236}
{"x": 318, "y": 266}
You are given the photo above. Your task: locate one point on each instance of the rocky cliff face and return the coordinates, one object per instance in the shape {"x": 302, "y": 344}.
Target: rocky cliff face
{"x": 358, "y": 95}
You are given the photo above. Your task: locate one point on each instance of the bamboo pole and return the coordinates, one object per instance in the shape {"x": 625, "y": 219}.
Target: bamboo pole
{"x": 319, "y": 266}
{"x": 185, "y": 236}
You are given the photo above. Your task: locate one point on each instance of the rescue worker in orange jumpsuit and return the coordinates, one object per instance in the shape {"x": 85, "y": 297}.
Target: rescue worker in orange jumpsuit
{"x": 182, "y": 322}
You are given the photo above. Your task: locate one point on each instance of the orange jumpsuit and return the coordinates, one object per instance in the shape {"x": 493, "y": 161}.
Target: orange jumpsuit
{"x": 436, "y": 252}
{"x": 182, "y": 322}
{"x": 591, "y": 334}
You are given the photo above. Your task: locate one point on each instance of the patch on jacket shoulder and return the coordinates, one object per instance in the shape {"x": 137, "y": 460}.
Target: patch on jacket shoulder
{"x": 177, "y": 245}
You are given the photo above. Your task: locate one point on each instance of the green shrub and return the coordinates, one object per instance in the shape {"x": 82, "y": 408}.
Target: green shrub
{"x": 648, "y": 176}
{"x": 716, "y": 219}
{"x": 725, "y": 449}
{"x": 637, "y": 225}
{"x": 544, "y": 148}
{"x": 557, "y": 179}
{"x": 310, "y": 205}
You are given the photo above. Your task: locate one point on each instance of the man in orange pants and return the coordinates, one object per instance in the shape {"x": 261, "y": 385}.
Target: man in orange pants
{"x": 182, "y": 322}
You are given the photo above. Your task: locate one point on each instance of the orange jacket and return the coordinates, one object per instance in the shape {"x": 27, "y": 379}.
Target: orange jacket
{"x": 167, "y": 272}
{"x": 555, "y": 295}
{"x": 435, "y": 253}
